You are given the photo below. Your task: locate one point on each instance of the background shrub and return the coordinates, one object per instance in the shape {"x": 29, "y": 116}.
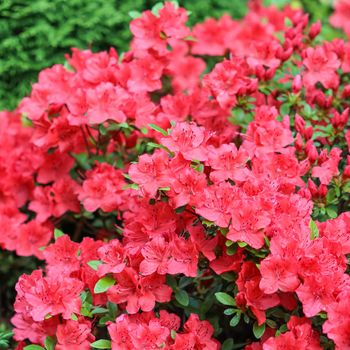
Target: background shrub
{"x": 36, "y": 34}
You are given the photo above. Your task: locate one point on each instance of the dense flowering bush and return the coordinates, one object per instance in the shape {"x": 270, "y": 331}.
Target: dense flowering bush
{"x": 192, "y": 193}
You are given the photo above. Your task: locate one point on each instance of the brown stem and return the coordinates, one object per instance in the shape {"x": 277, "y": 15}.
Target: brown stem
{"x": 86, "y": 142}
{"x": 78, "y": 230}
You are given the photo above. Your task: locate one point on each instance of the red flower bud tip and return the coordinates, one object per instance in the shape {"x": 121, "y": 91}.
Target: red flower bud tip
{"x": 344, "y": 117}
{"x": 315, "y": 29}
{"x": 299, "y": 123}
{"x": 298, "y": 143}
{"x": 311, "y": 152}
{"x": 300, "y": 19}
{"x": 322, "y": 191}
{"x": 312, "y": 187}
{"x": 308, "y": 133}
{"x": 346, "y": 173}
{"x": 346, "y": 92}
{"x": 347, "y": 138}
{"x": 297, "y": 84}
{"x": 323, "y": 156}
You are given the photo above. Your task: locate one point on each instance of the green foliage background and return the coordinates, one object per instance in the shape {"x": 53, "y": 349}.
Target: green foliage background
{"x": 35, "y": 34}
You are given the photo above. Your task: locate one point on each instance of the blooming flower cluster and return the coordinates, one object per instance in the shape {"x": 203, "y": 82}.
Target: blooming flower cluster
{"x": 192, "y": 193}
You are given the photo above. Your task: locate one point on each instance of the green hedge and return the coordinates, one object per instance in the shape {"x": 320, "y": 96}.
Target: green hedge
{"x": 35, "y": 34}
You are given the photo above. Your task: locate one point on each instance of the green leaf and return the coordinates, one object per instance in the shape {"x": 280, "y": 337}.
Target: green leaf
{"x": 190, "y": 38}
{"x": 228, "y": 276}
{"x": 284, "y": 109}
{"x": 323, "y": 315}
{"x": 57, "y": 233}
{"x": 171, "y": 281}
{"x": 235, "y": 320}
{"x": 33, "y": 347}
{"x": 267, "y": 242}
{"x": 132, "y": 186}
{"x": 288, "y": 22}
{"x": 103, "y": 320}
{"x": 231, "y": 250}
{"x": 155, "y": 145}
{"x": 157, "y": 7}
{"x": 74, "y": 317}
{"x": 184, "y": 282}
{"x": 102, "y": 344}
{"x": 180, "y": 210}
{"x": 283, "y": 328}
{"x": 307, "y": 109}
{"x": 225, "y": 299}
{"x": 99, "y": 310}
{"x": 26, "y": 122}
{"x": 182, "y": 297}
{"x": 134, "y": 14}
{"x": 103, "y": 130}
{"x": 94, "y": 264}
{"x": 271, "y": 323}
{"x": 85, "y": 311}
{"x": 242, "y": 244}
{"x": 314, "y": 230}
{"x": 144, "y": 130}
{"x": 331, "y": 212}
{"x": 227, "y": 344}
{"x": 230, "y": 312}
{"x": 175, "y": 3}
{"x": 104, "y": 284}
{"x": 5, "y": 336}
{"x": 113, "y": 309}
{"x": 258, "y": 330}
{"x": 50, "y": 343}
{"x": 228, "y": 243}
{"x": 158, "y": 128}
{"x": 86, "y": 297}
{"x": 265, "y": 90}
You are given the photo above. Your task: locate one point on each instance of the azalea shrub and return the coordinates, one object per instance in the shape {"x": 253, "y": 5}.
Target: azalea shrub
{"x": 191, "y": 193}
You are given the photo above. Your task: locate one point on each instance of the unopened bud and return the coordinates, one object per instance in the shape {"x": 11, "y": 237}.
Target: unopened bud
{"x": 312, "y": 188}
{"x": 322, "y": 191}
{"x": 312, "y": 153}
{"x": 299, "y": 123}
{"x": 298, "y": 143}
{"x": 315, "y": 29}
{"x": 297, "y": 84}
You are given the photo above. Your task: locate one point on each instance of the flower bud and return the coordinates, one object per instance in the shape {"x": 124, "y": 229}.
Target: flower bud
{"x": 298, "y": 143}
{"x": 308, "y": 133}
{"x": 312, "y": 188}
{"x": 311, "y": 150}
{"x": 315, "y": 29}
{"x": 322, "y": 191}
{"x": 346, "y": 92}
{"x": 347, "y": 138}
{"x": 299, "y": 123}
{"x": 297, "y": 84}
